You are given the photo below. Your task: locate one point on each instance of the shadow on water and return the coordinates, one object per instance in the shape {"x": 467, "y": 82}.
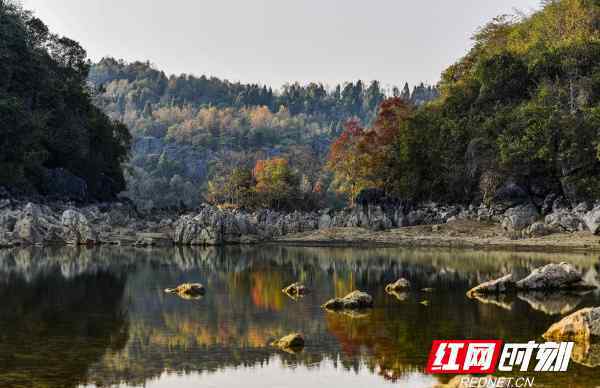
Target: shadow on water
{"x": 100, "y": 316}
{"x": 53, "y": 327}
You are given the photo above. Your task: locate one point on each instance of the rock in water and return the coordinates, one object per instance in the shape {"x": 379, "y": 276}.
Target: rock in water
{"x": 579, "y": 326}
{"x": 187, "y": 289}
{"x": 294, "y": 341}
{"x": 496, "y": 286}
{"x": 399, "y": 285}
{"x": 586, "y": 354}
{"x": 353, "y": 301}
{"x": 550, "y": 277}
{"x": 295, "y": 289}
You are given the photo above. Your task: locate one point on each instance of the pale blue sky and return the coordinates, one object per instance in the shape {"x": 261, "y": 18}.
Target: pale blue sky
{"x": 276, "y": 41}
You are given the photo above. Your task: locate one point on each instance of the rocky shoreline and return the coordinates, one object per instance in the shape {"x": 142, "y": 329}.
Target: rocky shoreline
{"x": 554, "y": 224}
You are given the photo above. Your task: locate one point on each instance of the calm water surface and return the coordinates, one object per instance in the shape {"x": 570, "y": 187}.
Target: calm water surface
{"x": 98, "y": 317}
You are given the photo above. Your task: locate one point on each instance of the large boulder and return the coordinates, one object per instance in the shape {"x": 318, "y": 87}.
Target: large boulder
{"x": 353, "y": 301}
{"x": 564, "y": 220}
{"x": 29, "y": 231}
{"x": 36, "y": 224}
{"x": 580, "y": 326}
{"x": 399, "y": 285}
{"x": 592, "y": 220}
{"x": 77, "y": 228}
{"x": 374, "y": 217}
{"x": 519, "y": 217}
{"x": 582, "y": 208}
{"x": 326, "y": 219}
{"x": 198, "y": 230}
{"x": 293, "y": 342}
{"x": 213, "y": 226}
{"x": 539, "y": 229}
{"x": 552, "y": 277}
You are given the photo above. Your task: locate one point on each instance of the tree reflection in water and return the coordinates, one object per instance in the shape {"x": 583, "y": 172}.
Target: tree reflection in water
{"x": 99, "y": 316}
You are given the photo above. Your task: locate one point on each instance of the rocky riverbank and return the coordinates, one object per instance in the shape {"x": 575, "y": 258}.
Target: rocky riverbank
{"x": 522, "y": 225}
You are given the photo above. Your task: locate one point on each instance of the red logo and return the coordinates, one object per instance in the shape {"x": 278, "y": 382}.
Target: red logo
{"x": 464, "y": 357}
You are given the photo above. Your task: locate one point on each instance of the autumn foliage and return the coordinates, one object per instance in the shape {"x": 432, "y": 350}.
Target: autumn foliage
{"x": 275, "y": 182}
{"x": 271, "y": 183}
{"x": 360, "y": 157}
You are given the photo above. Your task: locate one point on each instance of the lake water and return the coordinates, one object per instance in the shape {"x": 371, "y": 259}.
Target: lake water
{"x": 99, "y": 317}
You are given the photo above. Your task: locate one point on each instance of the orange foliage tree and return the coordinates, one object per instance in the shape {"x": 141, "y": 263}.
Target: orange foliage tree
{"x": 360, "y": 158}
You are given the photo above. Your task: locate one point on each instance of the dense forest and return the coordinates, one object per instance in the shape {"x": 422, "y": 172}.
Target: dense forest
{"x": 522, "y": 107}
{"x": 194, "y": 135}
{"x": 53, "y": 140}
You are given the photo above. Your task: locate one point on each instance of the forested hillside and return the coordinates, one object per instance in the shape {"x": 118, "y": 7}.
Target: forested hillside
{"x": 521, "y": 108}
{"x": 53, "y": 140}
{"x": 192, "y": 132}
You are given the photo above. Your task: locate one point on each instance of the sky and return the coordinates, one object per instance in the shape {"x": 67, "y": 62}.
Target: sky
{"x": 278, "y": 41}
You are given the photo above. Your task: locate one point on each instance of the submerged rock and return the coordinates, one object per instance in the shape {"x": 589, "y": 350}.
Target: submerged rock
{"x": 187, "y": 290}
{"x": 399, "y": 285}
{"x": 294, "y": 341}
{"x": 579, "y": 326}
{"x": 353, "y": 301}
{"x": 295, "y": 290}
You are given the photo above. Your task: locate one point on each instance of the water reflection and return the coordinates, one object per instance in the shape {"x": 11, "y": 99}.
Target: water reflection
{"x": 100, "y": 316}
{"x": 53, "y": 329}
